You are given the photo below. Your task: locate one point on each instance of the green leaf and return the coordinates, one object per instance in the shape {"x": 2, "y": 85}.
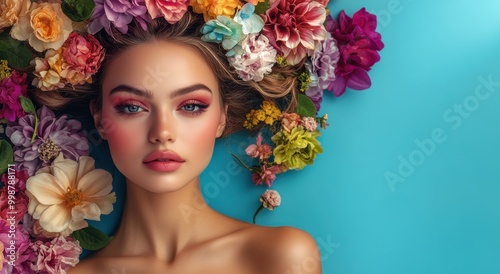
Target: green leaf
{"x": 91, "y": 238}
{"x": 27, "y": 104}
{"x": 305, "y": 106}
{"x": 78, "y": 10}
{"x": 15, "y": 52}
{"x": 6, "y": 155}
{"x": 262, "y": 7}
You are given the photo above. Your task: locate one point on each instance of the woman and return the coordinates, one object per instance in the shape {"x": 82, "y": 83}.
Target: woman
{"x": 164, "y": 97}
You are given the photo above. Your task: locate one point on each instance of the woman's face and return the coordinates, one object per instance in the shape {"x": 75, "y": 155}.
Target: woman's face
{"x": 161, "y": 113}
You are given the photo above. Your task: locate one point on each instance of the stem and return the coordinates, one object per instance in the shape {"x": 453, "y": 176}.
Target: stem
{"x": 35, "y": 129}
{"x": 243, "y": 164}
{"x": 257, "y": 212}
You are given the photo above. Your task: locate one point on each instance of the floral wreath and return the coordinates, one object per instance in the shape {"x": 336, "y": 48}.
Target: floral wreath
{"x": 50, "y": 186}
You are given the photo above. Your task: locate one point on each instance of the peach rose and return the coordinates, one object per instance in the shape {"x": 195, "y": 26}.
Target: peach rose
{"x": 45, "y": 26}
{"x": 290, "y": 121}
{"x": 11, "y": 10}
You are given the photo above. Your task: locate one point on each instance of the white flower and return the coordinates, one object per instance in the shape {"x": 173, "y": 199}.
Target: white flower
{"x": 257, "y": 58}
{"x": 66, "y": 193}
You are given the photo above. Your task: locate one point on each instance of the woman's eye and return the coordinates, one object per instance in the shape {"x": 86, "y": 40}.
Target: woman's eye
{"x": 194, "y": 107}
{"x": 128, "y": 108}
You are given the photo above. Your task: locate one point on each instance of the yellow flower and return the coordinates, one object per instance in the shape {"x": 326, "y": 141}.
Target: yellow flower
{"x": 4, "y": 69}
{"x": 64, "y": 194}
{"x": 213, "y": 8}
{"x": 48, "y": 71}
{"x": 11, "y": 10}
{"x": 260, "y": 115}
{"x": 45, "y": 26}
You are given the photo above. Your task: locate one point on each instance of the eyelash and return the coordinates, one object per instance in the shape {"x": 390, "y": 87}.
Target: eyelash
{"x": 123, "y": 108}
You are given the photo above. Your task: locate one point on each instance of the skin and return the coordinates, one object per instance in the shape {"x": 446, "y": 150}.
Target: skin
{"x": 167, "y": 227}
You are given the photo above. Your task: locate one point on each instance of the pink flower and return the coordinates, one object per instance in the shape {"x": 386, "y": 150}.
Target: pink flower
{"x": 309, "y": 123}
{"x": 259, "y": 150}
{"x": 10, "y": 89}
{"x": 266, "y": 174}
{"x": 82, "y": 58}
{"x": 358, "y": 44}
{"x": 172, "y": 10}
{"x": 56, "y": 256}
{"x": 22, "y": 254}
{"x": 295, "y": 27}
{"x": 270, "y": 199}
{"x": 21, "y": 199}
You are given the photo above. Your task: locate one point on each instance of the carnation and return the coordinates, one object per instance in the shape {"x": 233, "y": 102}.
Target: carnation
{"x": 23, "y": 253}
{"x": 56, "y": 256}
{"x": 53, "y": 135}
{"x": 171, "y": 10}
{"x": 82, "y": 58}
{"x": 270, "y": 199}
{"x": 10, "y": 90}
{"x": 257, "y": 59}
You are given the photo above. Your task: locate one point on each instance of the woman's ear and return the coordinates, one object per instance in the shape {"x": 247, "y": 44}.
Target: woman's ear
{"x": 222, "y": 122}
{"x": 96, "y": 114}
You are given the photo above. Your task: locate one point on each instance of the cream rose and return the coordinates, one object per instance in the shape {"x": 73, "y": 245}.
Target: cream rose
{"x": 45, "y": 26}
{"x": 11, "y": 10}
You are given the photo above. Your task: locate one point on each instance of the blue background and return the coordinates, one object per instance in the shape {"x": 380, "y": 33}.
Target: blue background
{"x": 410, "y": 178}
{"x": 444, "y": 217}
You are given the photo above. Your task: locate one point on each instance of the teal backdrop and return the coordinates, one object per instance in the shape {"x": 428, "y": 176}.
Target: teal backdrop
{"x": 410, "y": 178}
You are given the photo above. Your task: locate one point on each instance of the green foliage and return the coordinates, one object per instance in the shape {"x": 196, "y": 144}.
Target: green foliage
{"x": 91, "y": 238}
{"x": 78, "y": 10}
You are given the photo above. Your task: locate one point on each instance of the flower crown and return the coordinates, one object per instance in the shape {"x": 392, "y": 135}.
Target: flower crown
{"x": 44, "y": 201}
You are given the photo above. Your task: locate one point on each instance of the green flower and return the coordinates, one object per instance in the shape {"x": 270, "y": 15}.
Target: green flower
{"x": 296, "y": 148}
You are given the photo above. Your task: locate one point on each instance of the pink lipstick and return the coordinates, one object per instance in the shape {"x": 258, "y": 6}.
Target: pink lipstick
{"x": 163, "y": 161}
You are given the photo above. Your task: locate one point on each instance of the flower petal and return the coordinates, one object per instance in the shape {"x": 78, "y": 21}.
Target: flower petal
{"x": 46, "y": 189}
{"x": 96, "y": 183}
{"x": 55, "y": 218}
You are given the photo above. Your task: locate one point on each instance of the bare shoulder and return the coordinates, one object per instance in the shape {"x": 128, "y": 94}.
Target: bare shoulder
{"x": 284, "y": 250}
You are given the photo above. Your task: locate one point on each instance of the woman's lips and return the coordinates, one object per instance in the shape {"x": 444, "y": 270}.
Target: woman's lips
{"x": 163, "y": 161}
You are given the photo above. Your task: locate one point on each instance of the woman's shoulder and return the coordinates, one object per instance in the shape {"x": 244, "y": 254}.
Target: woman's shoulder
{"x": 283, "y": 250}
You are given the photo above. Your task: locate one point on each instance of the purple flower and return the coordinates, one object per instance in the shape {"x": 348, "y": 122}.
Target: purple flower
{"x": 54, "y": 135}
{"x": 10, "y": 89}
{"x": 324, "y": 61}
{"x": 119, "y": 13}
{"x": 21, "y": 254}
{"x": 358, "y": 43}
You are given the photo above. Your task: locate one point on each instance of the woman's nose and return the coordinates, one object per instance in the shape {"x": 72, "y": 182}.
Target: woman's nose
{"x": 162, "y": 128}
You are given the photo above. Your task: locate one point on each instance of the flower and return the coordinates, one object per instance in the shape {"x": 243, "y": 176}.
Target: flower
{"x": 82, "y": 58}
{"x": 309, "y": 123}
{"x": 295, "y": 27}
{"x": 171, "y": 10}
{"x": 45, "y": 26}
{"x": 211, "y": 9}
{"x": 48, "y": 71}
{"x": 249, "y": 21}
{"x": 10, "y": 89}
{"x": 266, "y": 174}
{"x": 267, "y": 113}
{"x": 18, "y": 252}
{"x": 11, "y": 10}
{"x": 66, "y": 193}
{"x": 56, "y": 256}
{"x": 257, "y": 58}
{"x": 270, "y": 199}
{"x": 5, "y": 71}
{"x": 53, "y": 135}
{"x": 16, "y": 190}
{"x": 259, "y": 150}
{"x": 223, "y": 30}
{"x": 358, "y": 44}
{"x": 2, "y": 248}
{"x": 118, "y": 13}
{"x": 297, "y": 148}
{"x": 324, "y": 61}
{"x": 290, "y": 121}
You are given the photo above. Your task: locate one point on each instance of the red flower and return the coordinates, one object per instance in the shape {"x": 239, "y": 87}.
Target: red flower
{"x": 295, "y": 27}
{"x": 15, "y": 186}
{"x": 10, "y": 90}
{"x": 358, "y": 44}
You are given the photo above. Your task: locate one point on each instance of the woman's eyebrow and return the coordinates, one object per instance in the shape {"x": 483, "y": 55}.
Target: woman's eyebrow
{"x": 148, "y": 94}
{"x": 188, "y": 89}
{"x": 126, "y": 88}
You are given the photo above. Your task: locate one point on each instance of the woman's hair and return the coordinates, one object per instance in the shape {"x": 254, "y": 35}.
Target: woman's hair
{"x": 239, "y": 96}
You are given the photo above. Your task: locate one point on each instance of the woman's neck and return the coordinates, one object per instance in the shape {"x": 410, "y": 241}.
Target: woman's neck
{"x": 162, "y": 225}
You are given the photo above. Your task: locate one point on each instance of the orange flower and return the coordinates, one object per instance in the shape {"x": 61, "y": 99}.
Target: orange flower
{"x": 213, "y": 8}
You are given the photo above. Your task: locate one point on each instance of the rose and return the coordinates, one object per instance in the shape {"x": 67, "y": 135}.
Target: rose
{"x": 45, "y": 26}
{"x": 11, "y": 10}
{"x": 171, "y": 10}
